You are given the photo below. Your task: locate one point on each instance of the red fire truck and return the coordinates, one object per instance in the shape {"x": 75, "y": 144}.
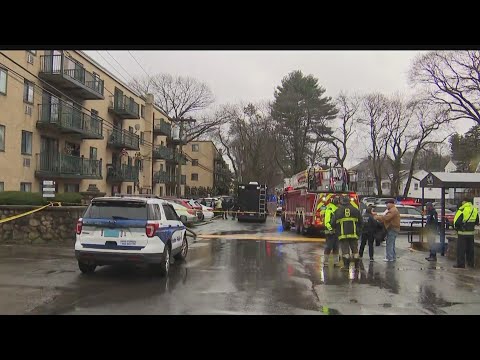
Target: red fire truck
{"x": 307, "y": 194}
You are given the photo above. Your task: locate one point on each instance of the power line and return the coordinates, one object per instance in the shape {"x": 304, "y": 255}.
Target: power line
{"x": 120, "y": 65}
{"x": 138, "y": 62}
{"x": 118, "y": 72}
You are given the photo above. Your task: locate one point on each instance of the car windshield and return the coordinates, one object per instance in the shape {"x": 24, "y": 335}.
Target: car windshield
{"x": 117, "y": 210}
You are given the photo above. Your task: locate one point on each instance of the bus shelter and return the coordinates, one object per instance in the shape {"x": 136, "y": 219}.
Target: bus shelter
{"x": 446, "y": 181}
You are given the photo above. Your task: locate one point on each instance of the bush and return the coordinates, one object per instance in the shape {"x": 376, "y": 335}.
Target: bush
{"x": 73, "y": 198}
{"x": 21, "y": 198}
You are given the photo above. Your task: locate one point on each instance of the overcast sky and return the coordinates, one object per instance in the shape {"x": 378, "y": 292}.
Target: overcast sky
{"x": 235, "y": 76}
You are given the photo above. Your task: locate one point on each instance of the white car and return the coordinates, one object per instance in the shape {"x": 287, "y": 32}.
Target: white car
{"x": 207, "y": 212}
{"x": 187, "y": 216}
{"x": 129, "y": 230}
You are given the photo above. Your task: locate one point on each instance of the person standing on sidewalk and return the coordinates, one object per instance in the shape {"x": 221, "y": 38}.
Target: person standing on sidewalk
{"x": 391, "y": 220}
{"x": 465, "y": 220}
{"x": 348, "y": 222}
{"x": 332, "y": 240}
{"x": 431, "y": 229}
{"x": 370, "y": 226}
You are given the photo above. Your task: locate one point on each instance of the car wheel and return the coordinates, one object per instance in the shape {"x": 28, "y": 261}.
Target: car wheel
{"x": 182, "y": 255}
{"x": 86, "y": 268}
{"x": 164, "y": 265}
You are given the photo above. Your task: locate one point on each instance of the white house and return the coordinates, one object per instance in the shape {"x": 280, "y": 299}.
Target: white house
{"x": 415, "y": 191}
{"x": 452, "y": 166}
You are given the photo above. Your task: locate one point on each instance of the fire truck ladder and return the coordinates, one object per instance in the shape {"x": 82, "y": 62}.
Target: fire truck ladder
{"x": 262, "y": 200}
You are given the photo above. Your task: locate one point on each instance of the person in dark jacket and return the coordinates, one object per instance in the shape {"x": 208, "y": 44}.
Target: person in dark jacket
{"x": 225, "y": 209}
{"x": 431, "y": 229}
{"x": 370, "y": 227}
{"x": 348, "y": 222}
{"x": 234, "y": 209}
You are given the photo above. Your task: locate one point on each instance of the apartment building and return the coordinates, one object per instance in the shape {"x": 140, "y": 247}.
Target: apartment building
{"x": 64, "y": 117}
{"x": 206, "y": 169}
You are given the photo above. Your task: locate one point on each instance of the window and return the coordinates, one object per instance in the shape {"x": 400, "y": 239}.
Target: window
{"x": 3, "y": 81}
{"x": 129, "y": 189}
{"x": 161, "y": 191}
{"x": 415, "y": 186}
{"x": 71, "y": 188}
{"x": 142, "y": 137}
{"x": 26, "y": 142}
{"x": 2, "y": 186}
{"x": 139, "y": 164}
{"x": 155, "y": 213}
{"x": 28, "y": 92}
{"x": 194, "y": 162}
{"x": 195, "y": 147}
{"x": 130, "y": 128}
{"x": 93, "y": 153}
{"x": 142, "y": 112}
{"x": 26, "y": 187}
{"x": 33, "y": 52}
{"x": 161, "y": 167}
{"x": 2, "y": 138}
{"x": 413, "y": 212}
{"x": 121, "y": 209}
{"x": 194, "y": 177}
{"x": 170, "y": 213}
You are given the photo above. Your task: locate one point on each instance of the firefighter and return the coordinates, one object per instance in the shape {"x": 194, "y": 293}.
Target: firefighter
{"x": 332, "y": 240}
{"x": 348, "y": 222}
{"x": 465, "y": 220}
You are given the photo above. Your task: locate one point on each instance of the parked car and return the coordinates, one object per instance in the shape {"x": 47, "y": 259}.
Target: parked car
{"x": 383, "y": 201}
{"x": 197, "y": 206}
{"x": 369, "y": 200}
{"x": 451, "y": 207}
{"x": 207, "y": 212}
{"x": 194, "y": 209}
{"x": 449, "y": 216}
{"x": 409, "y": 215}
{"x": 187, "y": 215}
{"x": 136, "y": 230}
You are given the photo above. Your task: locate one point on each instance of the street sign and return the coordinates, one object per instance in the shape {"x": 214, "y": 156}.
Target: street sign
{"x": 48, "y": 188}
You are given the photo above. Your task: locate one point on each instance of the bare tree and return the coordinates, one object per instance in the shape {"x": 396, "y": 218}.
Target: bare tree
{"x": 431, "y": 124}
{"x": 347, "y": 117}
{"x": 374, "y": 117}
{"x": 180, "y": 97}
{"x": 452, "y": 80}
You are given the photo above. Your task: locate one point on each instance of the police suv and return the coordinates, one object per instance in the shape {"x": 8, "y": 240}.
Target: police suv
{"x": 129, "y": 229}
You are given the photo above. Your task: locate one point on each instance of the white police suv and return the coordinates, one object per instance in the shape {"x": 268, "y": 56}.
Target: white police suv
{"x": 129, "y": 229}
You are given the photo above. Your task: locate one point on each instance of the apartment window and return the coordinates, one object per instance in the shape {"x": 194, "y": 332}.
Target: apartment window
{"x": 129, "y": 189}
{"x": 130, "y": 128}
{"x": 3, "y": 81}
{"x": 142, "y": 111}
{"x": 26, "y": 187}
{"x": 194, "y": 162}
{"x": 415, "y": 186}
{"x": 161, "y": 167}
{"x": 2, "y": 138}
{"x": 142, "y": 137}
{"x": 71, "y": 188}
{"x": 139, "y": 164}
{"x": 194, "y": 177}
{"x": 195, "y": 147}
{"x": 2, "y": 186}
{"x": 33, "y": 52}
{"x": 93, "y": 153}
{"x": 26, "y": 142}
{"x": 28, "y": 92}
{"x": 161, "y": 191}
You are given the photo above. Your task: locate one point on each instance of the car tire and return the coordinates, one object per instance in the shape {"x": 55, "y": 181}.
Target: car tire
{"x": 86, "y": 268}
{"x": 164, "y": 266}
{"x": 182, "y": 255}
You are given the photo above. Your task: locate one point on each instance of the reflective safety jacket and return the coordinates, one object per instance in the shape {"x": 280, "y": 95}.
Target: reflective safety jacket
{"x": 465, "y": 219}
{"x": 331, "y": 208}
{"x": 348, "y": 222}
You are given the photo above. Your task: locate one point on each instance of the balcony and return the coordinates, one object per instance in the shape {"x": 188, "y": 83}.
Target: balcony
{"x": 161, "y": 127}
{"x": 124, "y": 107}
{"x": 66, "y": 119}
{"x": 123, "y": 172}
{"x": 163, "y": 152}
{"x": 70, "y": 76}
{"x": 162, "y": 177}
{"x": 62, "y": 166}
{"x": 123, "y": 139}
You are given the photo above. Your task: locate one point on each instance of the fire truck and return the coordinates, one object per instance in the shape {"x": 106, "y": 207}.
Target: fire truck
{"x": 307, "y": 194}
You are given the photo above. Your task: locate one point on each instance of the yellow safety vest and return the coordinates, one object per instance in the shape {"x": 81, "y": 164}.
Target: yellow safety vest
{"x": 470, "y": 214}
{"x": 331, "y": 207}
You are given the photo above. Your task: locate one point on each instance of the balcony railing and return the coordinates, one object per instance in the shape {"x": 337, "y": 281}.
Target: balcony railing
{"x": 67, "y": 119}
{"x": 162, "y": 127}
{"x": 123, "y": 172}
{"x": 123, "y": 139}
{"x": 71, "y": 76}
{"x": 162, "y": 177}
{"x": 125, "y": 107}
{"x": 67, "y": 166}
{"x": 163, "y": 152}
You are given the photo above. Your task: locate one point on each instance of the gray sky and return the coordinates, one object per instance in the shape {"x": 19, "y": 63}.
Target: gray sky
{"x": 236, "y": 76}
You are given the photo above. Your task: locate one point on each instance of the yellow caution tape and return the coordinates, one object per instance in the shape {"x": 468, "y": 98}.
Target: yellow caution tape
{"x": 29, "y": 212}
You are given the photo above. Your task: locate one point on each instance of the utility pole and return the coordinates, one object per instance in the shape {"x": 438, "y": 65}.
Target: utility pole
{"x": 180, "y": 152}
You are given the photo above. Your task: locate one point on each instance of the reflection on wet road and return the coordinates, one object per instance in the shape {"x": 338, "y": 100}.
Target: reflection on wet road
{"x": 228, "y": 275}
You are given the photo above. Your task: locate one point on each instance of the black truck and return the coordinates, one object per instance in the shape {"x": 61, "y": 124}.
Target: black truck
{"x": 252, "y": 202}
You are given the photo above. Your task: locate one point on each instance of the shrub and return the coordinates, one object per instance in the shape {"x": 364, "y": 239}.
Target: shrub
{"x": 21, "y": 198}
{"x": 73, "y": 198}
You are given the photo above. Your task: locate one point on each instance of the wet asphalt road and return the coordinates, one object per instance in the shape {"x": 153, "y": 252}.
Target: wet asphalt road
{"x": 224, "y": 275}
